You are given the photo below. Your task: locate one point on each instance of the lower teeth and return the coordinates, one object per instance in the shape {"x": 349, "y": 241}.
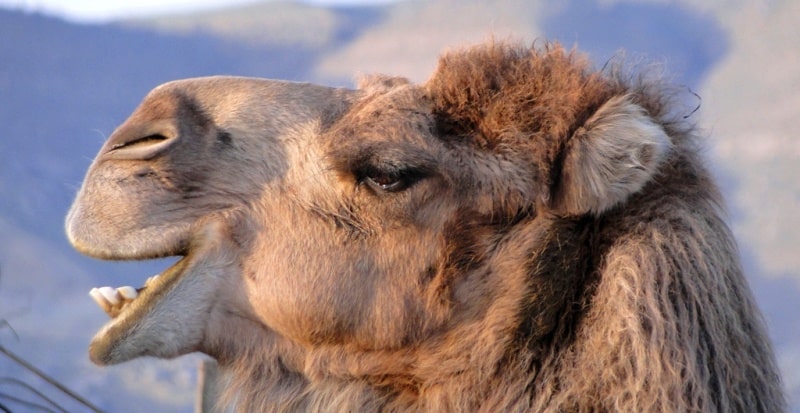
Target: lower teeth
{"x": 111, "y": 300}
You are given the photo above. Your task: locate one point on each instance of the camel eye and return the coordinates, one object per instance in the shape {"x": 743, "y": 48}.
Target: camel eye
{"x": 387, "y": 182}
{"x": 390, "y": 180}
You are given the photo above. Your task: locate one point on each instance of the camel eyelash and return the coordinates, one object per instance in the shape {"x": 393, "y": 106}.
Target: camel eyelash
{"x": 388, "y": 179}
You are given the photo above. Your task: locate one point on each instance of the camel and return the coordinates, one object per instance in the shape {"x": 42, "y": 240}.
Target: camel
{"x": 522, "y": 232}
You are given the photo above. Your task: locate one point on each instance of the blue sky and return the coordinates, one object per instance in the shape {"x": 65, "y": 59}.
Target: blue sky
{"x": 105, "y": 10}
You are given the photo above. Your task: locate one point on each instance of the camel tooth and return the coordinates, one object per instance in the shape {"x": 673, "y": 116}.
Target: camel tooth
{"x": 110, "y": 294}
{"x": 100, "y": 299}
{"x": 151, "y": 279}
{"x": 127, "y": 292}
{"x": 95, "y": 294}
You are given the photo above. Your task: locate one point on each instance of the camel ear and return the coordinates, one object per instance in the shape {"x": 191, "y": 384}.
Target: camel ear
{"x": 612, "y": 156}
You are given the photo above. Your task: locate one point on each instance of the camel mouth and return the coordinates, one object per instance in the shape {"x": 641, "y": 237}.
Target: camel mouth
{"x": 119, "y": 300}
{"x": 132, "y": 314}
{"x": 168, "y": 315}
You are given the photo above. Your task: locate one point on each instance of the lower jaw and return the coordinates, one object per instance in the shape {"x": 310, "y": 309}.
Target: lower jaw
{"x": 151, "y": 325}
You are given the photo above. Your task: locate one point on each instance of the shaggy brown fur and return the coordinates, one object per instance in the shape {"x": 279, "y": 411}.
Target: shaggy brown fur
{"x": 520, "y": 233}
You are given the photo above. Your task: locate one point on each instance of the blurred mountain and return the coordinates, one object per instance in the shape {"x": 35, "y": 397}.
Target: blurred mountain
{"x": 64, "y": 87}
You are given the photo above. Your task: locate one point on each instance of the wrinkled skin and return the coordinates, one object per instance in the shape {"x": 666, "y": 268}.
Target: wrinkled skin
{"x": 394, "y": 247}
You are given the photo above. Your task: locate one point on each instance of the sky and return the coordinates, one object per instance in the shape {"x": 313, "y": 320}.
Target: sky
{"x": 105, "y": 10}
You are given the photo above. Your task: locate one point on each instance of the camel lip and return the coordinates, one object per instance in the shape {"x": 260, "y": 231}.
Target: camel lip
{"x": 123, "y": 243}
{"x": 117, "y": 330}
{"x": 177, "y": 248}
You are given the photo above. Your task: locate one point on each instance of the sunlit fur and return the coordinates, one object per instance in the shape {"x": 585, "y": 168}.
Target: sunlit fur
{"x": 555, "y": 243}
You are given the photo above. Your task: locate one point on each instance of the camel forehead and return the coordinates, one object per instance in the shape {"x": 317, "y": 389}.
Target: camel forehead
{"x": 207, "y": 88}
{"x": 222, "y": 96}
{"x": 402, "y": 114}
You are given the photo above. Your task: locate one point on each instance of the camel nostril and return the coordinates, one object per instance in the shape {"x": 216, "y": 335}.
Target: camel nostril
{"x": 146, "y": 140}
{"x": 143, "y": 148}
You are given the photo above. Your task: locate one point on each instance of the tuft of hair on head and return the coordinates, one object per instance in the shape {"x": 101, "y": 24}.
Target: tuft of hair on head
{"x": 589, "y": 143}
{"x": 498, "y": 92}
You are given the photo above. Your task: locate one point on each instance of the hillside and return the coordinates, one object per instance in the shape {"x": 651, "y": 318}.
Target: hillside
{"x": 64, "y": 87}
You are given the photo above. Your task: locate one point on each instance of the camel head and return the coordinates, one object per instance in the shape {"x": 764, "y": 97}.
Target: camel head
{"x": 383, "y": 243}
{"x": 182, "y": 177}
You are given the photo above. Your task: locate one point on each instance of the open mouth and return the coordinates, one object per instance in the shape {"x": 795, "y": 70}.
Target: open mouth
{"x": 135, "y": 313}
{"x": 168, "y": 316}
{"x": 115, "y": 301}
